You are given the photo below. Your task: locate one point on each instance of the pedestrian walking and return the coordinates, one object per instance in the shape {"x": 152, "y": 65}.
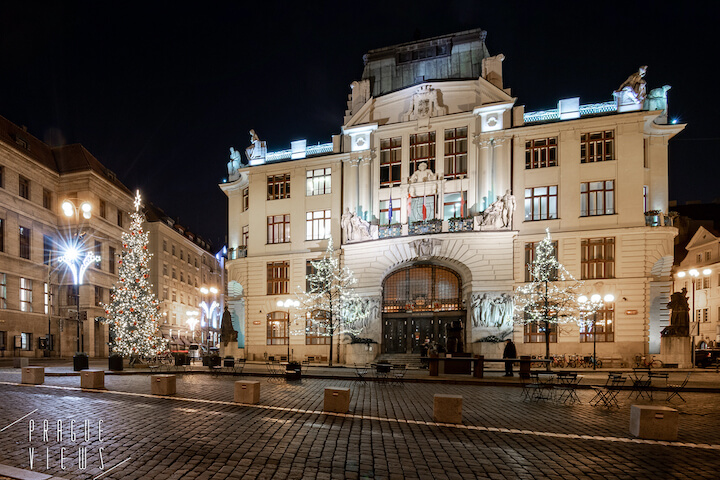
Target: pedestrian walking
{"x": 509, "y": 352}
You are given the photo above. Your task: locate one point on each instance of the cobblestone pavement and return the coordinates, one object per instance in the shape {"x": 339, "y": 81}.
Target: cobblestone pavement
{"x": 199, "y": 433}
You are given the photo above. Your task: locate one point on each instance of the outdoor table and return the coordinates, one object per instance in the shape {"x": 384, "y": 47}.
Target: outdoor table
{"x": 641, "y": 383}
{"x": 567, "y": 386}
{"x": 382, "y": 371}
{"x": 546, "y": 383}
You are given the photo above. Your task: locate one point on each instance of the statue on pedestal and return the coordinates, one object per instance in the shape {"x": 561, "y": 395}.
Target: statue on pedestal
{"x": 631, "y": 94}
{"x": 680, "y": 316}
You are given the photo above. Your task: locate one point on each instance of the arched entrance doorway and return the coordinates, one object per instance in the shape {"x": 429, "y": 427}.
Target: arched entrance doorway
{"x": 418, "y": 302}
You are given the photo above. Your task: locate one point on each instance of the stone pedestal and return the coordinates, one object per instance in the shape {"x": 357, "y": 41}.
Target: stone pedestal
{"x": 676, "y": 350}
{"x": 447, "y": 408}
{"x": 654, "y": 422}
{"x": 20, "y": 362}
{"x": 92, "y": 379}
{"x": 162, "y": 384}
{"x": 247, "y": 391}
{"x": 33, "y": 375}
{"x": 231, "y": 350}
{"x": 337, "y": 400}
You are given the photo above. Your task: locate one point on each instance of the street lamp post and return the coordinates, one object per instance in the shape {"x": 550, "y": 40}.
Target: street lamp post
{"x": 289, "y": 303}
{"x": 73, "y": 254}
{"x": 595, "y": 303}
{"x": 694, "y": 274}
{"x": 208, "y": 310}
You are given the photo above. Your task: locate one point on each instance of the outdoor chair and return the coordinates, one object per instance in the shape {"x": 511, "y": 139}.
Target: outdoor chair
{"x": 398, "y": 374}
{"x": 361, "y": 371}
{"x": 238, "y": 366}
{"x": 567, "y": 388}
{"x": 675, "y": 389}
{"x": 274, "y": 369}
{"x": 641, "y": 386}
{"x": 530, "y": 387}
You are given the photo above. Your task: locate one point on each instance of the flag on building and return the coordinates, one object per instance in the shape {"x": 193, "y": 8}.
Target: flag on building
{"x": 390, "y": 209}
{"x": 424, "y": 210}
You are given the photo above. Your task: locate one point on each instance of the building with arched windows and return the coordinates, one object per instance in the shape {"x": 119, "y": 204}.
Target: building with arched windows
{"x": 438, "y": 188}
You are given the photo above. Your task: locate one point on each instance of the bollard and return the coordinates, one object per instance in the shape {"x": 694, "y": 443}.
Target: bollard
{"x": 162, "y": 384}
{"x": 447, "y": 408}
{"x": 33, "y": 375}
{"x": 92, "y": 379}
{"x": 654, "y": 422}
{"x": 247, "y": 391}
{"x": 336, "y": 399}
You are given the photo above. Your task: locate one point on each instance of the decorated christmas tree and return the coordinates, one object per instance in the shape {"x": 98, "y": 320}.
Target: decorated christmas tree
{"x": 551, "y": 297}
{"x": 133, "y": 310}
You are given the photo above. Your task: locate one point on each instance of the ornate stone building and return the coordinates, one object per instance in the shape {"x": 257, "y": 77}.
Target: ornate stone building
{"x": 439, "y": 186}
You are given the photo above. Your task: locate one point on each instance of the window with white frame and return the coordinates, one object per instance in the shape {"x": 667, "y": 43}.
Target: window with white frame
{"x": 245, "y": 236}
{"x": 541, "y": 203}
{"x": 541, "y": 153}
{"x": 245, "y": 199}
{"x": 597, "y": 147}
{"x": 3, "y": 290}
{"x": 455, "y": 152}
{"x": 26, "y": 341}
{"x": 597, "y": 198}
{"x": 386, "y": 216}
{"x": 46, "y": 297}
{"x": 317, "y": 225}
{"x": 26, "y": 295}
{"x": 455, "y": 205}
{"x": 318, "y": 181}
{"x": 701, "y": 315}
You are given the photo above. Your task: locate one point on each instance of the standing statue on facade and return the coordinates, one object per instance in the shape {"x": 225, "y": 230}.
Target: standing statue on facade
{"x": 679, "y": 316}
{"x": 508, "y": 209}
{"x": 227, "y": 332}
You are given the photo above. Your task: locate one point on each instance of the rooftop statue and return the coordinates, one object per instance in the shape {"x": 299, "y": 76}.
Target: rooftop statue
{"x": 631, "y": 94}
{"x": 258, "y": 150}
{"x": 234, "y": 164}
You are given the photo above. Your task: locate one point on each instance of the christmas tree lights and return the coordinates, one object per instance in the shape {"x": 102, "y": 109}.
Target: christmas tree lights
{"x": 133, "y": 311}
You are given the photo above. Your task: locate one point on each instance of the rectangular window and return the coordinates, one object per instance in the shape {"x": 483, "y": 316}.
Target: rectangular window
{"x": 245, "y": 237}
{"x": 47, "y": 199}
{"x": 597, "y": 258}
{"x": 645, "y": 198}
{"x": 174, "y": 273}
{"x": 277, "y": 278}
{"x": 24, "y": 242}
{"x": 390, "y": 161}
{"x": 702, "y": 283}
{"x": 98, "y": 254}
{"x": 103, "y": 209}
{"x": 245, "y": 199}
{"x": 317, "y": 225}
{"x": 119, "y": 218}
{"x": 535, "y": 332}
{"x": 597, "y": 198}
{"x": 25, "y": 295}
{"x": 46, "y": 297}
{"x": 98, "y": 296}
{"x": 182, "y": 254}
{"x": 277, "y": 328}
{"x": 422, "y": 208}
{"x": 456, "y": 152}
{"x": 541, "y": 153}
{"x": 422, "y": 150}
{"x": 604, "y": 321}
{"x": 165, "y": 295}
{"x": 2, "y": 235}
{"x": 455, "y": 205}
{"x": 26, "y": 341}
{"x": 3, "y": 338}
{"x": 47, "y": 249}
{"x": 318, "y": 181}
{"x": 541, "y": 203}
{"x": 165, "y": 245}
{"x": 173, "y": 251}
{"x": 3, "y": 290}
{"x": 112, "y": 260}
{"x": 701, "y": 315}
{"x": 278, "y": 186}
{"x": 278, "y": 229}
{"x": 71, "y": 295}
{"x": 530, "y": 249}
{"x": 2, "y": 177}
{"x": 309, "y": 270}
{"x": 707, "y": 256}
{"x": 597, "y": 147}
{"x": 174, "y": 296}
{"x": 385, "y": 217}
{"x": 182, "y": 276}
{"x": 24, "y": 188}
{"x": 316, "y": 329}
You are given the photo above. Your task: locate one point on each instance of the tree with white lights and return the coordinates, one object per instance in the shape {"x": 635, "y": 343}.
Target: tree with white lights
{"x": 331, "y": 292}
{"x": 551, "y": 296}
{"x": 133, "y": 309}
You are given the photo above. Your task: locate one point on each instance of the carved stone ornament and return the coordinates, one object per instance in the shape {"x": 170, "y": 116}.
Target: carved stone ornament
{"x": 425, "y": 104}
{"x": 355, "y": 229}
{"x": 498, "y": 215}
{"x": 425, "y": 248}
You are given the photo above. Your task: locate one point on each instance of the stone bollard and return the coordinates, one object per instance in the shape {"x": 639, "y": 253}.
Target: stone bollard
{"x": 92, "y": 379}
{"x": 162, "y": 384}
{"x": 654, "y": 422}
{"x": 33, "y": 375}
{"x": 337, "y": 400}
{"x": 247, "y": 391}
{"x": 447, "y": 408}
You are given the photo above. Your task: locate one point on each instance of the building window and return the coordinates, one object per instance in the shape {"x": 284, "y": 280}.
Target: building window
{"x": 182, "y": 298}
{"x": 541, "y": 203}
{"x": 174, "y": 296}
{"x": 174, "y": 273}
{"x": 535, "y": 332}
{"x": 645, "y": 198}
{"x": 597, "y": 198}
{"x": 317, "y": 225}
{"x": 2, "y": 177}
{"x": 707, "y": 256}
{"x": 47, "y": 249}
{"x": 103, "y": 209}
{"x": 46, "y": 298}
{"x": 3, "y": 290}
{"x": 390, "y": 161}
{"x": 604, "y": 321}
{"x": 24, "y": 242}
{"x": 701, "y": 315}
{"x": 182, "y": 254}
{"x": 173, "y": 251}
{"x": 98, "y": 255}
{"x": 24, "y": 188}
{"x": 47, "y": 199}
{"x": 386, "y": 218}
{"x": 71, "y": 295}
{"x": 25, "y": 295}
{"x": 316, "y": 329}
{"x": 541, "y": 153}
{"x": 165, "y": 293}
{"x": 2, "y": 235}
{"x": 597, "y": 147}
{"x": 455, "y": 205}
{"x": 164, "y": 245}
{"x": 119, "y": 218}
{"x": 422, "y": 150}
{"x": 98, "y": 296}
{"x": 245, "y": 199}
{"x": 702, "y": 283}
{"x": 455, "y": 152}
{"x": 278, "y": 229}
{"x": 111, "y": 257}
{"x": 318, "y": 181}
{"x": 530, "y": 249}
{"x": 182, "y": 276}
{"x": 3, "y": 340}
{"x": 278, "y": 186}
{"x": 26, "y": 341}
{"x": 277, "y": 328}
{"x": 422, "y": 208}
{"x": 278, "y": 278}
{"x": 309, "y": 270}
{"x": 244, "y": 239}
{"x": 597, "y": 258}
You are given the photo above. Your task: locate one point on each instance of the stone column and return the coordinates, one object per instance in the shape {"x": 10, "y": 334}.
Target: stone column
{"x": 351, "y": 184}
{"x": 365, "y": 187}
{"x": 483, "y": 178}
{"x": 501, "y": 170}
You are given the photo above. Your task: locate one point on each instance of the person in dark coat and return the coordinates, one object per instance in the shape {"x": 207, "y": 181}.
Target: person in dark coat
{"x": 509, "y": 352}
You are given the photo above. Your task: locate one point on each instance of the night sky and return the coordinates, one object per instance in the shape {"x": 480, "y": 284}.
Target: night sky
{"x": 159, "y": 91}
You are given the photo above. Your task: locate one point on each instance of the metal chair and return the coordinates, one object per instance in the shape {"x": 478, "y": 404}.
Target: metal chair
{"x": 677, "y": 388}
{"x": 361, "y": 371}
{"x": 398, "y": 374}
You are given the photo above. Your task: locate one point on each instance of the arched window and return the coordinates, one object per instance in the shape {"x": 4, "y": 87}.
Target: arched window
{"x": 422, "y": 288}
{"x": 277, "y": 328}
{"x": 317, "y": 331}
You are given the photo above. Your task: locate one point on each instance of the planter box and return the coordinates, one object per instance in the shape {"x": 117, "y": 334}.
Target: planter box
{"x": 389, "y": 231}
{"x": 115, "y": 362}
{"x": 80, "y": 362}
{"x": 247, "y": 391}
{"x": 425, "y": 228}
{"x": 162, "y": 384}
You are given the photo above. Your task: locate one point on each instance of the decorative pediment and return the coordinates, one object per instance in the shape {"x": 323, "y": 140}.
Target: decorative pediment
{"x": 702, "y": 237}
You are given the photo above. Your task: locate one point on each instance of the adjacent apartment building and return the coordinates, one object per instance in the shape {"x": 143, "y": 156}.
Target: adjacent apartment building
{"x": 438, "y": 189}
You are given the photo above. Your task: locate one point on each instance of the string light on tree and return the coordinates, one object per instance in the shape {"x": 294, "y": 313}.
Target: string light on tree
{"x": 133, "y": 312}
